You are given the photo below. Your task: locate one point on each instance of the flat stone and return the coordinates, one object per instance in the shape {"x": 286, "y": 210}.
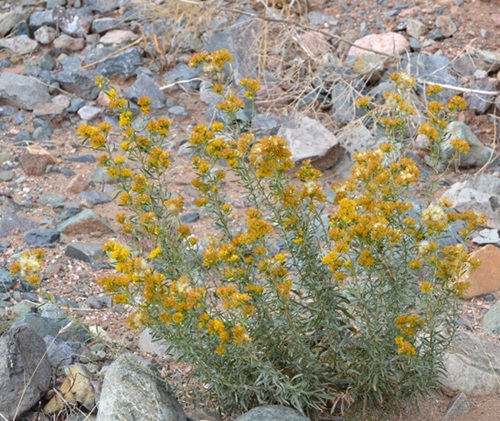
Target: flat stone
{"x": 118, "y": 37}
{"x": 36, "y": 160}
{"x": 21, "y": 44}
{"x": 49, "y": 109}
{"x": 86, "y": 222}
{"x": 87, "y": 158}
{"x": 41, "y": 237}
{"x": 11, "y": 222}
{"x": 94, "y": 197}
{"x": 102, "y": 25}
{"x": 22, "y": 91}
{"x": 272, "y": 413}
{"x": 314, "y": 43}
{"x": 415, "y": 28}
{"x": 488, "y": 60}
{"x": 9, "y": 20}
{"x": 486, "y": 278}
{"x": 183, "y": 72}
{"x": 388, "y": 43}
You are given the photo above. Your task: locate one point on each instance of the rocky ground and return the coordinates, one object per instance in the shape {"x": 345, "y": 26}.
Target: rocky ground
{"x": 53, "y": 195}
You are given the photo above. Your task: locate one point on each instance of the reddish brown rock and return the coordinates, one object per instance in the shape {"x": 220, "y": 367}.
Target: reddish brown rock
{"x": 387, "y": 44}
{"x": 77, "y": 185}
{"x": 35, "y": 160}
{"x": 485, "y": 279}
{"x": 314, "y": 43}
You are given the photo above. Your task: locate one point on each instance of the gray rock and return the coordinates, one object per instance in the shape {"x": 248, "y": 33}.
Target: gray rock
{"x": 87, "y": 158}
{"x": 22, "y": 357}
{"x": 446, "y": 25}
{"x": 10, "y": 222}
{"x": 52, "y": 199}
{"x": 48, "y": 62}
{"x": 50, "y": 4}
{"x": 178, "y": 110}
{"x": 87, "y": 252}
{"x": 144, "y": 85}
{"x": 488, "y": 183}
{"x": 94, "y": 197}
{"x": 479, "y": 154}
{"x": 22, "y": 91}
{"x": 6, "y": 281}
{"x": 101, "y": 176}
{"x": 41, "y": 237}
{"x": 132, "y": 389}
{"x": 86, "y": 222}
{"x": 41, "y": 18}
{"x": 10, "y": 20}
{"x": 124, "y": 63}
{"x": 151, "y": 345}
{"x": 59, "y": 352}
{"x": 472, "y": 365}
{"x": 432, "y": 69}
{"x": 488, "y": 60}
{"x": 309, "y": 139}
{"x": 75, "y": 22}
{"x": 71, "y": 64}
{"x": 190, "y": 217}
{"x": 272, "y": 413}
{"x": 102, "y": 6}
{"x": 491, "y": 320}
{"x": 69, "y": 44}
{"x": 183, "y": 72}
{"x": 459, "y": 406}
{"x": 101, "y": 25}
{"x": 89, "y": 112}
{"x": 21, "y": 44}
{"x": 80, "y": 82}
{"x": 45, "y": 34}
{"x": 343, "y": 95}
{"x": 415, "y": 28}
{"x": 480, "y": 102}
{"x": 75, "y": 104}
{"x": 463, "y": 65}
{"x": 487, "y": 236}
{"x": 6, "y": 175}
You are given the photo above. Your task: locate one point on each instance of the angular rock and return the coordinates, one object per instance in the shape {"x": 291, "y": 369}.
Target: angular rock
{"x": 488, "y": 60}
{"x": 102, "y": 6}
{"x": 94, "y": 197}
{"x": 6, "y": 281}
{"x": 22, "y": 91}
{"x": 486, "y": 278}
{"x": 75, "y": 22}
{"x": 50, "y": 109}
{"x": 41, "y": 18}
{"x": 79, "y": 82}
{"x": 183, "y": 72}
{"x": 21, "y": 44}
{"x": 118, "y": 37}
{"x": 487, "y": 236}
{"x": 480, "y": 102}
{"x": 102, "y": 25}
{"x": 86, "y": 252}
{"x": 144, "y": 85}
{"x": 309, "y": 139}
{"x": 446, "y": 25}
{"x": 132, "y": 390}
{"x": 86, "y": 222}
{"x": 272, "y": 413}
{"x": 370, "y": 66}
{"x": 415, "y": 28}
{"x": 123, "y": 63}
{"x": 36, "y": 160}
{"x": 45, "y": 34}
{"x": 88, "y": 112}
{"x": 41, "y": 237}
{"x": 69, "y": 44}
{"x": 8, "y": 21}
{"x": 11, "y": 222}
{"x": 472, "y": 365}
{"x": 22, "y": 357}
{"x": 459, "y": 406}
{"x": 388, "y": 43}
{"x": 150, "y": 345}
{"x": 77, "y": 185}
{"x": 491, "y": 320}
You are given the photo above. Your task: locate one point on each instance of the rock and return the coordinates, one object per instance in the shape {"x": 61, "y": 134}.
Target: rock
{"x": 388, "y": 43}
{"x": 446, "y": 26}
{"x": 118, "y": 37}
{"x": 87, "y": 158}
{"x": 21, "y": 44}
{"x": 314, "y": 43}
{"x": 79, "y": 82}
{"x": 122, "y": 63}
{"x": 10, "y": 20}
{"x": 463, "y": 65}
{"x": 415, "y": 28}
{"x": 240, "y": 40}
{"x": 69, "y": 44}
{"x": 6, "y": 281}
{"x": 150, "y": 345}
{"x": 488, "y": 60}
{"x": 432, "y": 69}
{"x": 480, "y": 102}
{"x": 94, "y": 197}
{"x": 49, "y": 109}
{"x": 22, "y": 91}
{"x": 75, "y": 22}
{"x": 459, "y": 406}
{"x": 77, "y": 185}
{"x": 41, "y": 237}
{"x": 309, "y": 139}
{"x": 10, "y": 222}
{"x": 183, "y": 72}
{"x": 76, "y": 388}
{"x": 86, "y": 252}
{"x": 101, "y": 176}
{"x": 190, "y": 217}
{"x": 22, "y": 357}
{"x": 86, "y": 222}
{"x": 35, "y": 161}
{"x": 472, "y": 365}
{"x": 370, "y": 66}
{"x": 132, "y": 389}
{"x": 479, "y": 154}
{"x": 485, "y": 279}
{"x": 41, "y": 18}
{"x": 102, "y": 25}
{"x": 59, "y": 352}
{"x": 487, "y": 236}
{"x": 88, "y": 112}
{"x": 102, "y": 6}
{"x": 491, "y": 320}
{"x": 144, "y": 85}
{"x": 272, "y": 413}
{"x": 45, "y": 34}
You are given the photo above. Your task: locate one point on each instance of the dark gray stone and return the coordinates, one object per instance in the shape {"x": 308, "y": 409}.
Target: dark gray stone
{"x": 81, "y": 83}
{"x": 144, "y": 85}
{"x": 132, "y": 389}
{"x": 463, "y": 65}
{"x": 75, "y": 105}
{"x": 41, "y": 237}
{"x": 87, "y": 252}
{"x": 183, "y": 72}
{"x": 101, "y": 25}
{"x": 190, "y": 217}
{"x": 22, "y": 357}
{"x": 59, "y": 352}
{"x": 6, "y": 281}
{"x": 41, "y": 18}
{"x": 124, "y": 63}
{"x": 75, "y": 22}
{"x": 94, "y": 197}
{"x": 22, "y": 91}
{"x": 69, "y": 209}
{"x": 102, "y": 6}
{"x": 71, "y": 63}
{"x": 480, "y": 102}
{"x": 10, "y": 222}
{"x": 272, "y": 413}
{"x": 48, "y": 62}
{"x": 87, "y": 158}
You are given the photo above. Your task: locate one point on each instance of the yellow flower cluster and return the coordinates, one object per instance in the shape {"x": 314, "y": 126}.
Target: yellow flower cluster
{"x": 29, "y": 265}
{"x": 212, "y": 62}
{"x": 252, "y": 87}
{"x": 269, "y": 155}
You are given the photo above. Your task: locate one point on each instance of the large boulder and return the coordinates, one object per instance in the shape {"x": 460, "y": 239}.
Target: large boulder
{"x": 132, "y": 390}
{"x": 25, "y": 373}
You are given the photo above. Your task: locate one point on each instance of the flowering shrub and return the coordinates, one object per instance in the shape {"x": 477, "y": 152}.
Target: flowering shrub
{"x": 291, "y": 309}
{"x": 29, "y": 265}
